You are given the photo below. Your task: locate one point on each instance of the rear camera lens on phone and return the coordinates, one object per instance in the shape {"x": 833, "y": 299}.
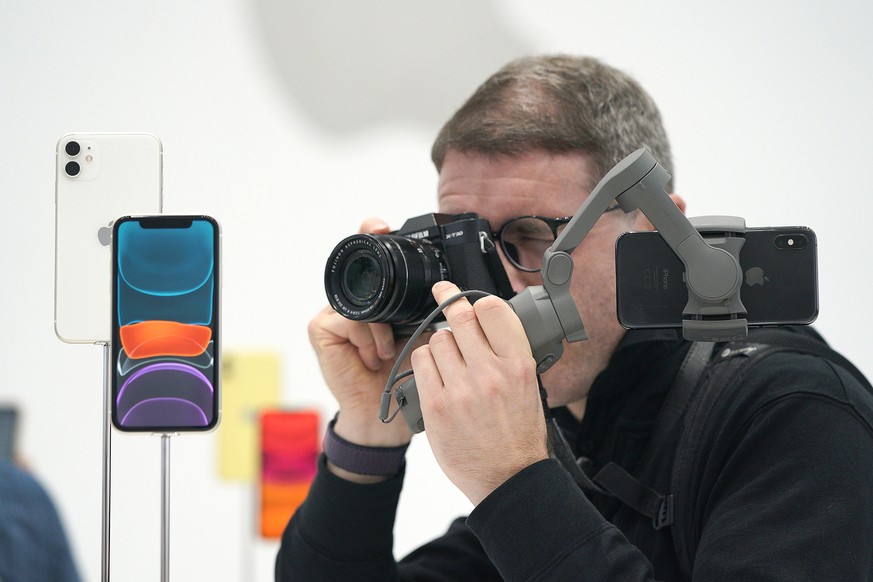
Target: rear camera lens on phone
{"x": 72, "y": 169}
{"x": 790, "y": 241}
{"x": 73, "y": 148}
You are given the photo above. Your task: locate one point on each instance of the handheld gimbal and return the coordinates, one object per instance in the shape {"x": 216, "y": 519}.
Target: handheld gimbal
{"x": 709, "y": 247}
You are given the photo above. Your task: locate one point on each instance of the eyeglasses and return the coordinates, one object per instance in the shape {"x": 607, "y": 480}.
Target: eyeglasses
{"x": 525, "y": 239}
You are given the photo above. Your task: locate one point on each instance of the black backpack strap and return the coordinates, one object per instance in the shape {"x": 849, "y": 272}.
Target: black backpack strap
{"x": 614, "y": 481}
{"x": 611, "y": 480}
{"x": 686, "y": 383}
{"x": 729, "y": 362}
{"x": 690, "y": 398}
{"x": 561, "y": 450}
{"x": 624, "y": 486}
{"x": 708, "y": 391}
{"x": 635, "y": 494}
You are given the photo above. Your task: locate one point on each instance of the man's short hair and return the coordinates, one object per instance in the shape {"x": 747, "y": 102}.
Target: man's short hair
{"x": 559, "y": 104}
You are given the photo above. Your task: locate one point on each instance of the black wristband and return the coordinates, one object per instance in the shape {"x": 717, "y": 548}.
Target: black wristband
{"x": 360, "y": 459}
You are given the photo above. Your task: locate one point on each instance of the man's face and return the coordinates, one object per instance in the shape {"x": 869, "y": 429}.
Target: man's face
{"x": 545, "y": 184}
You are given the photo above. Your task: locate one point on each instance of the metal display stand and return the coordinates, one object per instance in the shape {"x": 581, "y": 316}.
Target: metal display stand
{"x": 107, "y": 481}
{"x": 107, "y": 464}
{"x": 165, "y": 508}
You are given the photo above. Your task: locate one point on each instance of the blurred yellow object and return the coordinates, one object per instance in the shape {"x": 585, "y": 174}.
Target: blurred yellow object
{"x": 250, "y": 384}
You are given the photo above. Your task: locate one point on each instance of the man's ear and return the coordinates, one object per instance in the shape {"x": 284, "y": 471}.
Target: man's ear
{"x": 643, "y": 223}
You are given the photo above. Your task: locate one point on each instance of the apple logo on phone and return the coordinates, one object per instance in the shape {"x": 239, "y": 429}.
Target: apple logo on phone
{"x": 755, "y": 276}
{"x": 104, "y": 234}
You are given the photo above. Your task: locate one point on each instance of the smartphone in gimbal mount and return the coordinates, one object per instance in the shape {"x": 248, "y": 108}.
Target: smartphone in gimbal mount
{"x": 165, "y": 314}
{"x": 779, "y": 287}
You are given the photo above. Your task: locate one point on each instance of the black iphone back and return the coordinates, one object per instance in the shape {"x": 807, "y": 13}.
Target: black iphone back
{"x": 780, "y": 281}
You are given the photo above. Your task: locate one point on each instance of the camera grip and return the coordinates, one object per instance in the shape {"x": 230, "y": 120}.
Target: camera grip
{"x": 410, "y": 405}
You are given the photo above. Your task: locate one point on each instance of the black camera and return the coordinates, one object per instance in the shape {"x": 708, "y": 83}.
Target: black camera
{"x": 387, "y": 278}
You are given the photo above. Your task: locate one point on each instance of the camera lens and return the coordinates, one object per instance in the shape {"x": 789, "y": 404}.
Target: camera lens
{"x": 383, "y": 278}
{"x": 786, "y": 242}
{"x": 72, "y": 168}
{"x": 72, "y": 148}
{"x": 361, "y": 278}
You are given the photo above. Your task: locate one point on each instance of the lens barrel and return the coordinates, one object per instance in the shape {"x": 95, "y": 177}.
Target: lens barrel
{"x": 383, "y": 278}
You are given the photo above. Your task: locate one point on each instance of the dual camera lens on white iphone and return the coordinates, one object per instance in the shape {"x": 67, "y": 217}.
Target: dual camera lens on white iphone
{"x": 81, "y": 158}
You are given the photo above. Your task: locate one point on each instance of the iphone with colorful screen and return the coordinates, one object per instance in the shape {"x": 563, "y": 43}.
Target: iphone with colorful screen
{"x": 165, "y": 315}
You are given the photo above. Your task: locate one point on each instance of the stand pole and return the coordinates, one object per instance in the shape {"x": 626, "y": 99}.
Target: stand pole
{"x": 165, "y": 508}
{"x": 107, "y": 466}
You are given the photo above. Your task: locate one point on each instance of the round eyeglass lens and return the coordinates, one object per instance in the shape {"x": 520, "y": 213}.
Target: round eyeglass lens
{"x": 525, "y": 240}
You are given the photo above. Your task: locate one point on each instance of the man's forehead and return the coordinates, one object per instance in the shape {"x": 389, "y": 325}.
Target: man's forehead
{"x": 544, "y": 184}
{"x": 535, "y": 164}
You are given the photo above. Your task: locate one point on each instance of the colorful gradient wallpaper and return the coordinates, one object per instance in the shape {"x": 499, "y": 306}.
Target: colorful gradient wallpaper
{"x": 164, "y": 323}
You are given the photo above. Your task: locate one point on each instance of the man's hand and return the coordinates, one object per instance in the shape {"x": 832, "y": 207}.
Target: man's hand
{"x": 479, "y": 396}
{"x": 355, "y": 360}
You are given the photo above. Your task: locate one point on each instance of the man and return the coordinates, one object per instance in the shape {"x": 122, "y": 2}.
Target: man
{"x": 33, "y": 544}
{"x": 788, "y": 493}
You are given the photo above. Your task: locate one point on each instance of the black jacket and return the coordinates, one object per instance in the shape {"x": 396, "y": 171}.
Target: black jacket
{"x": 785, "y": 491}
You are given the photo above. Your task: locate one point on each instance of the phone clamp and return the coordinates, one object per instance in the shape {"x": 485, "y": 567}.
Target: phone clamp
{"x": 714, "y": 313}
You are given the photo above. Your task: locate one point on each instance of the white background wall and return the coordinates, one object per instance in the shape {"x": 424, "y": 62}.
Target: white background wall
{"x": 290, "y": 121}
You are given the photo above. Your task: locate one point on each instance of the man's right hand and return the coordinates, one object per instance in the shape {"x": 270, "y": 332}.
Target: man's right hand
{"x": 356, "y": 359}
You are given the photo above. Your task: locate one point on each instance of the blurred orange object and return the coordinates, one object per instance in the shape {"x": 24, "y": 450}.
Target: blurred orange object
{"x": 278, "y": 504}
{"x": 290, "y": 446}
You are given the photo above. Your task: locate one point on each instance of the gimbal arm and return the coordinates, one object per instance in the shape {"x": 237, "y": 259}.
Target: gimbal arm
{"x": 713, "y": 274}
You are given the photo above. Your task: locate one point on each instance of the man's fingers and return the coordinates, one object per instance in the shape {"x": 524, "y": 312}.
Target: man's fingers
{"x": 374, "y": 341}
{"x": 501, "y": 326}
{"x": 373, "y": 226}
{"x": 383, "y": 335}
{"x": 462, "y": 320}
{"x": 489, "y": 321}
{"x": 427, "y": 374}
{"x": 446, "y": 354}
{"x": 361, "y": 337}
